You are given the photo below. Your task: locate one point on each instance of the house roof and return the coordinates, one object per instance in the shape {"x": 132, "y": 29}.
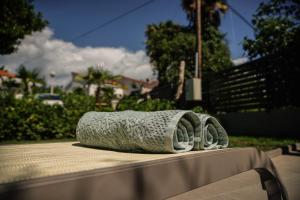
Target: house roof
{"x": 133, "y": 80}
{"x": 151, "y": 84}
{"x": 7, "y": 74}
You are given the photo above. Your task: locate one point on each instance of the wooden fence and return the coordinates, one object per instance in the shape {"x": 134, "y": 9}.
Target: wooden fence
{"x": 260, "y": 85}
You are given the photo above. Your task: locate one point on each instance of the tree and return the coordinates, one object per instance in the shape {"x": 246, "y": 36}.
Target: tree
{"x": 211, "y": 11}
{"x": 108, "y": 94}
{"x": 88, "y": 79}
{"x": 277, "y": 26}
{"x": 17, "y": 19}
{"x": 216, "y": 54}
{"x": 98, "y": 76}
{"x": 168, "y": 43}
{"x": 29, "y": 78}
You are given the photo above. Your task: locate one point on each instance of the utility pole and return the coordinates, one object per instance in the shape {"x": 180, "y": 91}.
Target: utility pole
{"x": 193, "y": 87}
{"x": 199, "y": 39}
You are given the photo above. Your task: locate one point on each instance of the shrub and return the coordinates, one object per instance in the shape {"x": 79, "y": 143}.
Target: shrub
{"x": 198, "y": 109}
{"x": 134, "y": 103}
{"x": 30, "y": 119}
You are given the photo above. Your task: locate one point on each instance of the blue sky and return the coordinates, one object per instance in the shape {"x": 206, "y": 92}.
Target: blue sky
{"x": 118, "y": 47}
{"x": 70, "y": 18}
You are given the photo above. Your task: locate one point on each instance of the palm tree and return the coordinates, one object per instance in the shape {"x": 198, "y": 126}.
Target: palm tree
{"x": 88, "y": 79}
{"x": 211, "y": 11}
{"x": 98, "y": 76}
{"x": 29, "y": 78}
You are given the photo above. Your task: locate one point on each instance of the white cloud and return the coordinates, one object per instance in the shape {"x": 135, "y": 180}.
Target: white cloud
{"x": 240, "y": 61}
{"x": 41, "y": 50}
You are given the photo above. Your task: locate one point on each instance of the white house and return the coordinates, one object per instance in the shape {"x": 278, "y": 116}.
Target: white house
{"x": 122, "y": 85}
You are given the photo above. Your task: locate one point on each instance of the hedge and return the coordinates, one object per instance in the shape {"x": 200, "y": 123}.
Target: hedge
{"x": 30, "y": 119}
{"x": 134, "y": 103}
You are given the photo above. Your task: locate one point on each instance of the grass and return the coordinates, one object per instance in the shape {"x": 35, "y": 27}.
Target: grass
{"x": 262, "y": 143}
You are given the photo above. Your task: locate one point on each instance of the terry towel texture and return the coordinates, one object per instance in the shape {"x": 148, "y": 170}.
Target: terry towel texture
{"x": 171, "y": 131}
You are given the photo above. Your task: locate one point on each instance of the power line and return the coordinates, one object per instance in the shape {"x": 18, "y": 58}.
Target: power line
{"x": 113, "y": 20}
{"x": 232, "y": 27}
{"x": 241, "y": 16}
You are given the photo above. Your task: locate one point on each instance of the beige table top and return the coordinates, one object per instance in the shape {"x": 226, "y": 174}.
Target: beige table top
{"x": 28, "y": 161}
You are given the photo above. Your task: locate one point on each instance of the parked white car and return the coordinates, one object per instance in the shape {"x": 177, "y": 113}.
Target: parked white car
{"x": 50, "y": 99}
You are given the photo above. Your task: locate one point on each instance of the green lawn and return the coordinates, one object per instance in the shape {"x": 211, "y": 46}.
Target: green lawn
{"x": 262, "y": 143}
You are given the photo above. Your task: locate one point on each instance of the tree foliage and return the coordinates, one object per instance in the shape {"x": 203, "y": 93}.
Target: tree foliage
{"x": 169, "y": 43}
{"x": 277, "y": 25}
{"x": 211, "y": 11}
{"x": 98, "y": 76}
{"x": 29, "y": 78}
{"x": 17, "y": 19}
{"x": 215, "y": 52}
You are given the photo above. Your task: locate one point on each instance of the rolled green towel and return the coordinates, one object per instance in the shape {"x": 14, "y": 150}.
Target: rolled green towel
{"x": 214, "y": 136}
{"x": 161, "y": 131}
{"x": 171, "y": 131}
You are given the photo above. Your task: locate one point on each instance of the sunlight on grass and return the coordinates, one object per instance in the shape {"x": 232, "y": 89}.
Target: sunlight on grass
{"x": 262, "y": 143}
